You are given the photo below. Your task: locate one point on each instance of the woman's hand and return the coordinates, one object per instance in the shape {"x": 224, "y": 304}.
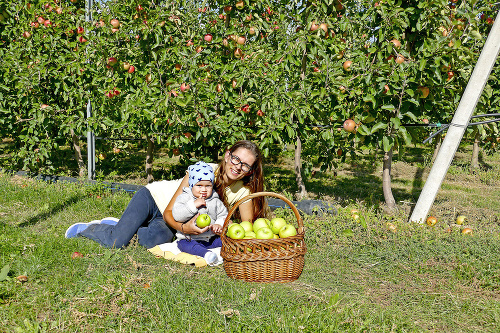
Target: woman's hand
{"x": 191, "y": 228}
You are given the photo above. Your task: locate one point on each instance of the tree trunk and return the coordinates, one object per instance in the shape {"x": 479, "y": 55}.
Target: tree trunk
{"x": 301, "y": 193}
{"x": 386, "y": 181}
{"x": 475, "y": 152}
{"x": 149, "y": 160}
{"x": 82, "y": 170}
{"x": 439, "y": 140}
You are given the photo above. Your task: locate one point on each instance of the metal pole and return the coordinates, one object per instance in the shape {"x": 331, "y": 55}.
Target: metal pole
{"x": 90, "y": 134}
{"x": 459, "y": 123}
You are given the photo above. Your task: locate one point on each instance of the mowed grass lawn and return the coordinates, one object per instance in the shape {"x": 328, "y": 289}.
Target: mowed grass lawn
{"x": 357, "y": 277}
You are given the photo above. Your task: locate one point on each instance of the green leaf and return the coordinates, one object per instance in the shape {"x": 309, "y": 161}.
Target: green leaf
{"x": 388, "y": 107}
{"x": 4, "y": 272}
{"x": 348, "y": 233}
{"x": 377, "y": 127}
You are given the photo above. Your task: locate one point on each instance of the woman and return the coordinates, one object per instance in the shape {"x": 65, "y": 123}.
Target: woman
{"x": 239, "y": 174}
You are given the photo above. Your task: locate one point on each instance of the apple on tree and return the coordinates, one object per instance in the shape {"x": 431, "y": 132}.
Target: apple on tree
{"x": 349, "y": 125}
{"x": 347, "y": 65}
{"x": 203, "y": 220}
{"x": 235, "y": 231}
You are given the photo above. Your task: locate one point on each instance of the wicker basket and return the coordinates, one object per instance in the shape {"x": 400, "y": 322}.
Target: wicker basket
{"x": 264, "y": 260}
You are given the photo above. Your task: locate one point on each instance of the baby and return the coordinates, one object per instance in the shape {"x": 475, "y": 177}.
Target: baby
{"x": 200, "y": 198}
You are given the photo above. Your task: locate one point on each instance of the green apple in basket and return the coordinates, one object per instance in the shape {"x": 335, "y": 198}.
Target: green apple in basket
{"x": 249, "y": 235}
{"x": 235, "y": 231}
{"x": 288, "y": 231}
{"x": 276, "y": 224}
{"x": 203, "y": 220}
{"x": 260, "y": 223}
{"x": 264, "y": 233}
{"x": 248, "y": 226}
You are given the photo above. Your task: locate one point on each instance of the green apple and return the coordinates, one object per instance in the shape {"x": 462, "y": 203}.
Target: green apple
{"x": 287, "y": 231}
{"x": 249, "y": 235}
{"x": 236, "y": 231}
{"x": 203, "y": 220}
{"x": 260, "y": 223}
{"x": 276, "y": 224}
{"x": 461, "y": 219}
{"x": 264, "y": 233}
{"x": 247, "y": 225}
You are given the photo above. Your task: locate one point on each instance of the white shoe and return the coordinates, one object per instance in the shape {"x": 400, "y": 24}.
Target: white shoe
{"x": 210, "y": 258}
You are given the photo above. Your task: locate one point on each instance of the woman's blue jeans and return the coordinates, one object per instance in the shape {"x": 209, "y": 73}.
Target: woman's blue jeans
{"x": 141, "y": 217}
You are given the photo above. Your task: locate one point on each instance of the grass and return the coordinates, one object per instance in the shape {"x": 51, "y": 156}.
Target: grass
{"x": 359, "y": 275}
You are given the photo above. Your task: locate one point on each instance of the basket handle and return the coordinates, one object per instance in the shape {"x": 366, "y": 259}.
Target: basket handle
{"x": 300, "y": 223}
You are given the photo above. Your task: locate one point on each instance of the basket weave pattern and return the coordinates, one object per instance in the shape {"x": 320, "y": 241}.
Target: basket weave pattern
{"x": 264, "y": 260}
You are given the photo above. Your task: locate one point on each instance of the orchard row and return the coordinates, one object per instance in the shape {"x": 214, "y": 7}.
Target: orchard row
{"x": 194, "y": 76}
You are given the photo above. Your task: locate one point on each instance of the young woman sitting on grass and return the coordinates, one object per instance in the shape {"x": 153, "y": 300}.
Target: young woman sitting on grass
{"x": 149, "y": 212}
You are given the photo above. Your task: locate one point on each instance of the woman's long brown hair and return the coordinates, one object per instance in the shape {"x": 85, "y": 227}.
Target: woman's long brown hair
{"x": 254, "y": 181}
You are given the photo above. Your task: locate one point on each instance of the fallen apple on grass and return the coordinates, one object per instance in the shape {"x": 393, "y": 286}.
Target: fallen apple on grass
{"x": 76, "y": 255}
{"x": 431, "y": 221}
{"x": 466, "y": 231}
{"x": 460, "y": 219}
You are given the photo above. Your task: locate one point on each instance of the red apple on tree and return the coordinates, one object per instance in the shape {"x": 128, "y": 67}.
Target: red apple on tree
{"x": 314, "y": 26}
{"x": 79, "y": 30}
{"x": 26, "y": 34}
{"x": 227, "y": 9}
{"x": 347, "y": 65}
{"x": 450, "y": 76}
{"x": 400, "y": 59}
{"x": 184, "y": 87}
{"x": 112, "y": 61}
{"x": 131, "y": 69}
{"x": 241, "y": 40}
{"x": 424, "y": 91}
{"x": 260, "y": 113}
{"x": 238, "y": 53}
{"x": 125, "y": 66}
{"x": 349, "y": 125}
{"x": 208, "y": 38}
{"x": 245, "y": 108}
{"x": 240, "y": 4}
{"x": 115, "y": 23}
{"x": 396, "y": 43}
{"x": 252, "y": 31}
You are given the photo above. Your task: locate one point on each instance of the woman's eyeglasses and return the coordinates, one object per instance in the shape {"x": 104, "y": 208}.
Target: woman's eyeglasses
{"x": 235, "y": 160}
